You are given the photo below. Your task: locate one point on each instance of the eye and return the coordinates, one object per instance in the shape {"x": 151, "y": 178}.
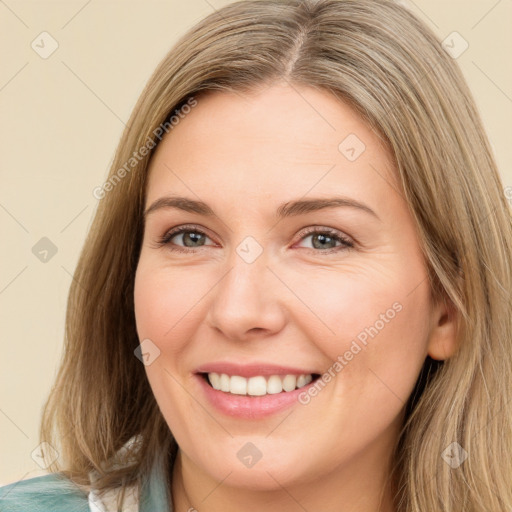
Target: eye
{"x": 188, "y": 238}
{"x": 185, "y": 238}
{"x": 327, "y": 240}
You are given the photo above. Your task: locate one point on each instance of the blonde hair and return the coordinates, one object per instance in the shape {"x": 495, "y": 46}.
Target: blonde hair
{"x": 379, "y": 58}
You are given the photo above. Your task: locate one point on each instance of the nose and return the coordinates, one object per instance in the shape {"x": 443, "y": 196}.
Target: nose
{"x": 246, "y": 302}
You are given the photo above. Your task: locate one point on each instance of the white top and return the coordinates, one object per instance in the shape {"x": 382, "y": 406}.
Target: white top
{"x": 108, "y": 502}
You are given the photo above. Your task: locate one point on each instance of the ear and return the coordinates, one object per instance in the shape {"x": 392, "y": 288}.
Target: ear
{"x": 442, "y": 343}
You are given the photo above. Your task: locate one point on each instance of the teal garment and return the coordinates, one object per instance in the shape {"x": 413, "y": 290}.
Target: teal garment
{"x": 47, "y": 493}
{"x": 55, "y": 493}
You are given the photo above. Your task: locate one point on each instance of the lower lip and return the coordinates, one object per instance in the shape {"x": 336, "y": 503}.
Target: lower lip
{"x": 250, "y": 407}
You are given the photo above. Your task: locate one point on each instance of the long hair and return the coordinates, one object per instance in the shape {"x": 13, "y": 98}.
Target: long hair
{"x": 383, "y": 61}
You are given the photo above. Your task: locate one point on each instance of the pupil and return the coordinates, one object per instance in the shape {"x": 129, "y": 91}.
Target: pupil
{"x": 192, "y": 236}
{"x": 321, "y": 238}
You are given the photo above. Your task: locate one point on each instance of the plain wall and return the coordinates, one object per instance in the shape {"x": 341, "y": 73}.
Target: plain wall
{"x": 62, "y": 117}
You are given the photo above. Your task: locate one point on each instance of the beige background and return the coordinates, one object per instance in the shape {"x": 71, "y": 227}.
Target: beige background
{"x": 61, "y": 121}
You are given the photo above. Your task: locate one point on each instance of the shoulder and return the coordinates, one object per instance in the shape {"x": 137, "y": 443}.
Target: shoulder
{"x": 48, "y": 493}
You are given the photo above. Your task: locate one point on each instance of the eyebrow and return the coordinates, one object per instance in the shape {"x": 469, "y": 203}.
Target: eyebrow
{"x": 289, "y": 209}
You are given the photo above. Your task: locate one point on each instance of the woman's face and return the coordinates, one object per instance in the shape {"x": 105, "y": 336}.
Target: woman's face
{"x": 292, "y": 253}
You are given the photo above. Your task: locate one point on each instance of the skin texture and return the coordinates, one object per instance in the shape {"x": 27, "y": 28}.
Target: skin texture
{"x": 298, "y": 304}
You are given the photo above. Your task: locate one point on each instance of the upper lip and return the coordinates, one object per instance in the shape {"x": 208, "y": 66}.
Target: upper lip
{"x": 251, "y": 370}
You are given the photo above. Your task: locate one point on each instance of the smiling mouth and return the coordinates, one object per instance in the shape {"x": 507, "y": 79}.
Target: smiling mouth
{"x": 257, "y": 385}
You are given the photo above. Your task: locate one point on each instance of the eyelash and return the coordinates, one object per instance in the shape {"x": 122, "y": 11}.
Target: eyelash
{"x": 346, "y": 244}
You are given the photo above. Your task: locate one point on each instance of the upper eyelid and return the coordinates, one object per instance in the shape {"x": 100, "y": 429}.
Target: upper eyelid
{"x": 177, "y": 230}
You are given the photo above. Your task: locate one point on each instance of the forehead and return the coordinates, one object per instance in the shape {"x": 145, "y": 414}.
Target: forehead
{"x": 274, "y": 141}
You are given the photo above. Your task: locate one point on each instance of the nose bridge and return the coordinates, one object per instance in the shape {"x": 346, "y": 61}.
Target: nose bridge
{"x": 246, "y": 299}
{"x": 247, "y": 274}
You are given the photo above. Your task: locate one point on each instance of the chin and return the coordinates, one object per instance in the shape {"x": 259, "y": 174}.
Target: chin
{"x": 269, "y": 473}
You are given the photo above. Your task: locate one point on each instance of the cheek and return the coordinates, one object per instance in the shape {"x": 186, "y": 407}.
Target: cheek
{"x": 361, "y": 303}
{"x": 166, "y": 303}
{"x": 165, "y": 311}
{"x": 372, "y": 324}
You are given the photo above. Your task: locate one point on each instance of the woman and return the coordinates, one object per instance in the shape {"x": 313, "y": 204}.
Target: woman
{"x": 296, "y": 290}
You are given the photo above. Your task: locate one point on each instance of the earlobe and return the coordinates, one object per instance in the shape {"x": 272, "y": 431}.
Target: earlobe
{"x": 442, "y": 342}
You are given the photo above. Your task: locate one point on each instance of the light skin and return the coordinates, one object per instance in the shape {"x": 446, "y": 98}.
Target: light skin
{"x": 301, "y": 303}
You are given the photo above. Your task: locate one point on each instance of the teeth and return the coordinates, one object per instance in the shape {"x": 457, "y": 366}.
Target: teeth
{"x": 224, "y": 382}
{"x": 289, "y": 382}
{"x": 274, "y": 384}
{"x": 302, "y": 380}
{"x": 214, "y": 380}
{"x": 238, "y": 385}
{"x": 258, "y": 386}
